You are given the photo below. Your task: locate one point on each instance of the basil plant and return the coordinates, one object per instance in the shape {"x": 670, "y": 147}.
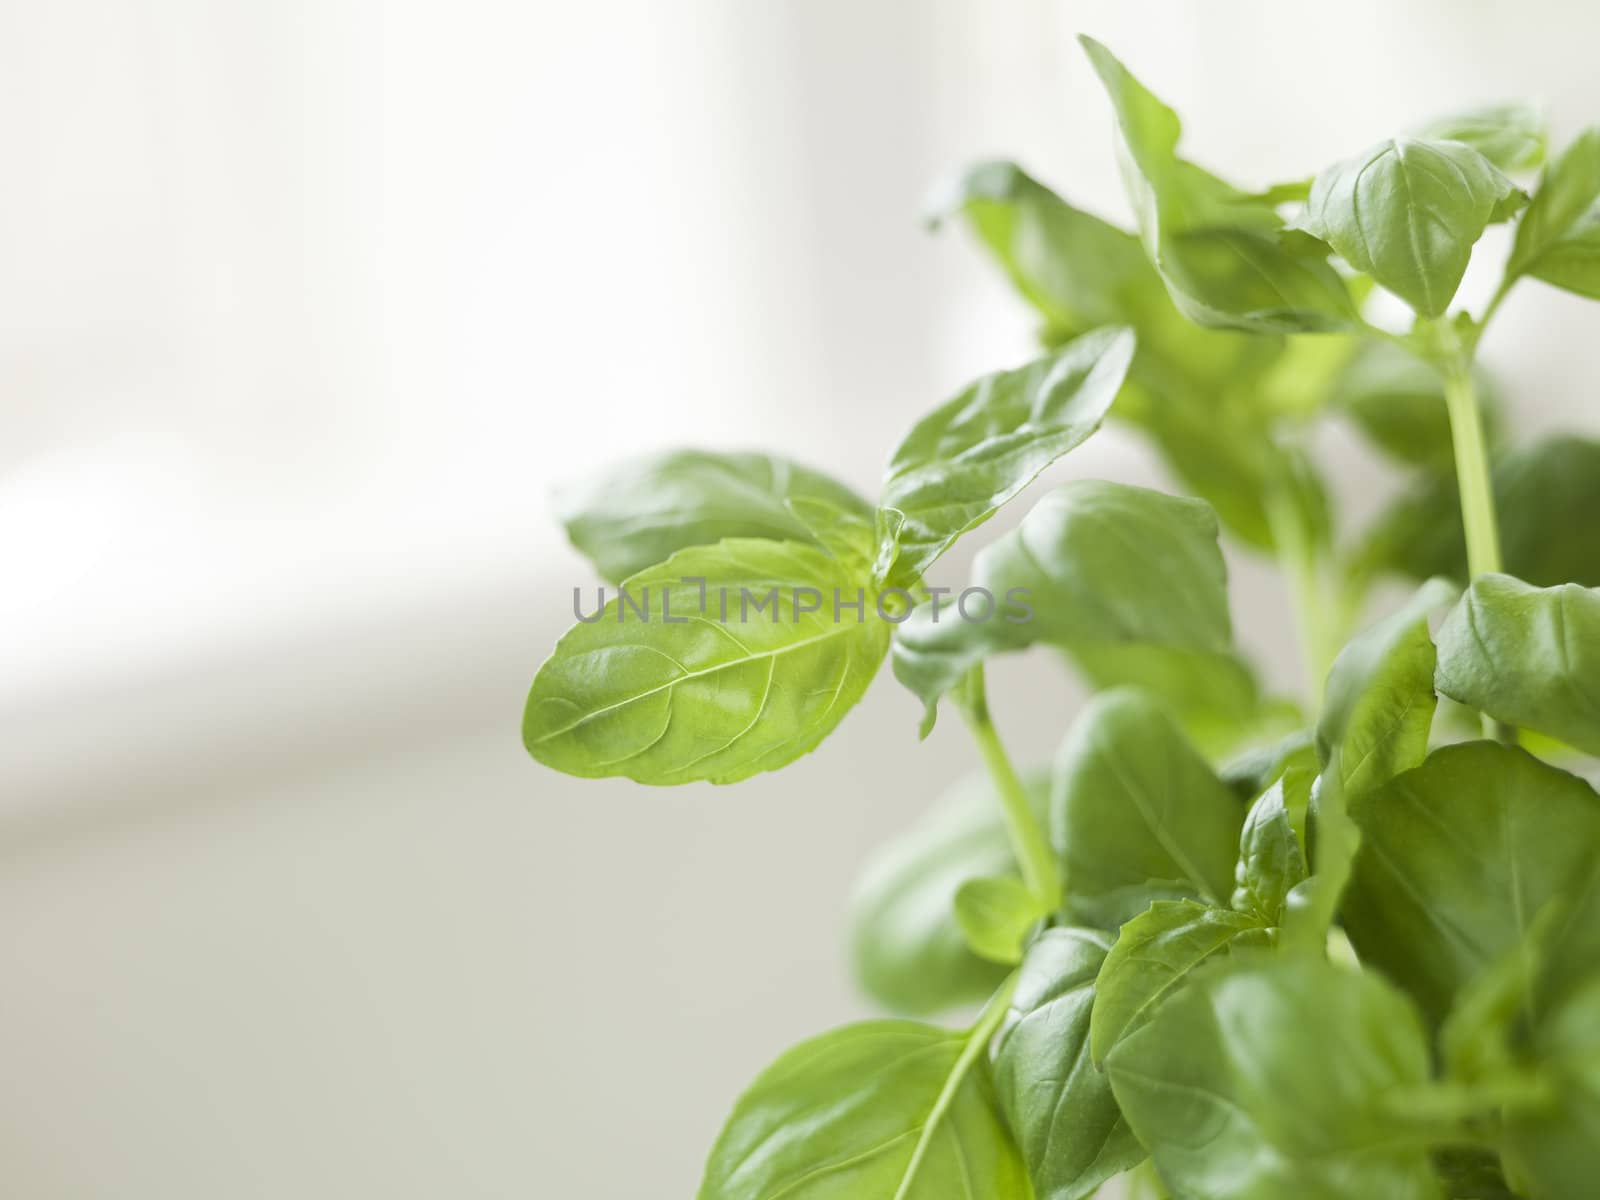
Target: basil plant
{"x": 1228, "y": 945}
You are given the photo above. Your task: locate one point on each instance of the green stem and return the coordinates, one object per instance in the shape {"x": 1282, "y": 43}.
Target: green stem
{"x": 1472, "y": 471}
{"x": 1475, "y": 485}
{"x": 1028, "y": 840}
{"x": 978, "y": 1039}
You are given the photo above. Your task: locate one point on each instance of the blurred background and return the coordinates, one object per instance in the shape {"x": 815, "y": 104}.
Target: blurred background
{"x": 303, "y": 309}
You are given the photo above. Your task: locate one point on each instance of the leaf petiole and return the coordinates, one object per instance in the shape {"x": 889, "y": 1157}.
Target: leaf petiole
{"x": 1028, "y": 840}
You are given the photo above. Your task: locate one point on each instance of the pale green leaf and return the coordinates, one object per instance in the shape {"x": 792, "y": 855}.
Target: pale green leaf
{"x": 965, "y": 459}
{"x": 1153, "y": 956}
{"x": 641, "y": 512}
{"x": 891, "y": 1110}
{"x": 1527, "y": 656}
{"x": 749, "y": 682}
{"x": 1407, "y": 212}
{"x": 1558, "y": 238}
{"x": 907, "y": 951}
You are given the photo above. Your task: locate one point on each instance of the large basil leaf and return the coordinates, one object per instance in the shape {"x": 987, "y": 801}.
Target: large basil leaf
{"x": 1153, "y": 956}
{"x": 1537, "y": 489}
{"x": 1217, "y": 249}
{"x": 1511, "y": 136}
{"x": 970, "y": 455}
{"x": 1272, "y": 859}
{"x": 1397, "y": 401}
{"x": 1061, "y": 1109}
{"x": 1270, "y": 1080}
{"x": 1379, "y": 703}
{"x": 1407, "y": 212}
{"x": 1459, "y": 856}
{"x": 908, "y": 952}
{"x": 642, "y": 512}
{"x": 1136, "y": 813}
{"x": 888, "y": 1109}
{"x": 1078, "y": 271}
{"x": 1527, "y": 656}
{"x": 1558, "y": 239}
{"x": 1090, "y": 570}
{"x": 1558, "y": 1150}
{"x": 708, "y": 695}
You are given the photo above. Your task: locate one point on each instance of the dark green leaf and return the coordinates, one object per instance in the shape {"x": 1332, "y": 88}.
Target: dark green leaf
{"x": 1137, "y": 814}
{"x": 1217, "y": 249}
{"x": 1558, "y": 239}
{"x": 1153, "y": 956}
{"x": 1091, "y": 569}
{"x": 642, "y": 512}
{"x": 1558, "y": 1150}
{"x": 969, "y": 456}
{"x": 1397, "y": 401}
{"x": 907, "y": 950}
{"x": 1537, "y": 490}
{"x": 1460, "y": 855}
{"x": 1527, "y": 656}
{"x": 1511, "y": 136}
{"x": 707, "y": 695}
{"x": 1254, "y": 772}
{"x": 1379, "y": 702}
{"x": 1060, "y": 1108}
{"x": 1407, "y": 212}
{"x": 1269, "y": 1081}
{"x": 887, "y": 1109}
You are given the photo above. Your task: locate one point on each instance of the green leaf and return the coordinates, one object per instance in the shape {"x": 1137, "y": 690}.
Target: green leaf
{"x": 1379, "y": 702}
{"x": 1137, "y": 814}
{"x": 1217, "y": 249}
{"x": 1407, "y": 212}
{"x": 1558, "y": 239}
{"x": 889, "y": 1109}
{"x": 1090, "y": 570}
{"x": 1511, "y": 136}
{"x": 1078, "y": 271}
{"x": 1332, "y": 841}
{"x": 1459, "y": 856}
{"x": 1153, "y": 957}
{"x": 709, "y": 695}
{"x": 996, "y": 914}
{"x": 1269, "y": 1080}
{"x": 1527, "y": 656}
{"x": 1558, "y": 1150}
{"x": 907, "y": 950}
{"x": 1061, "y": 1109}
{"x": 1537, "y": 489}
{"x": 1272, "y": 858}
{"x": 1397, "y": 401}
{"x": 965, "y": 459}
{"x": 642, "y": 512}
{"x": 1481, "y": 1035}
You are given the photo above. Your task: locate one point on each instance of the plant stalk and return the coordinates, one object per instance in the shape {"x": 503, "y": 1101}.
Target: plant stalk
{"x": 1476, "y": 487}
{"x": 1472, "y": 471}
{"x": 1028, "y": 840}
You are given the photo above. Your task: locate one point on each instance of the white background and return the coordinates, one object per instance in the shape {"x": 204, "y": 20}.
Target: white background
{"x": 303, "y": 309}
